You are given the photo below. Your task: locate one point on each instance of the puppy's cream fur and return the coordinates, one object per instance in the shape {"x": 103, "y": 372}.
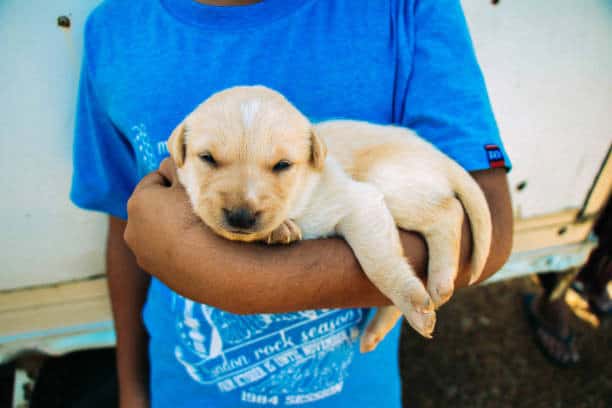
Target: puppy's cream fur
{"x": 375, "y": 177}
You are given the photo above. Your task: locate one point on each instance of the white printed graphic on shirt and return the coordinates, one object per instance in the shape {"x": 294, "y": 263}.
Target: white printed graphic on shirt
{"x": 148, "y": 153}
{"x": 273, "y": 359}
{"x": 270, "y": 359}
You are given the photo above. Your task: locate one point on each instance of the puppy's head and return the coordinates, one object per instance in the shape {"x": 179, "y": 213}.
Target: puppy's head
{"x": 244, "y": 156}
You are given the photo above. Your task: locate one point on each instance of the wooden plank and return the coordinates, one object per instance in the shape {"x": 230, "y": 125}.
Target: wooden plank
{"x": 600, "y": 191}
{"x": 56, "y": 316}
{"x": 551, "y": 235}
{"x": 558, "y": 218}
{"x": 64, "y": 293}
{"x": 60, "y": 306}
{"x": 550, "y": 230}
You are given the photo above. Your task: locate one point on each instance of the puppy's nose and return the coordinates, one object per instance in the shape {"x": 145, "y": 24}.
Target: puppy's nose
{"x": 240, "y": 217}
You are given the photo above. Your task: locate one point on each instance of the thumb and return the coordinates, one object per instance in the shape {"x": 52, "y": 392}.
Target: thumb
{"x": 167, "y": 169}
{"x": 151, "y": 180}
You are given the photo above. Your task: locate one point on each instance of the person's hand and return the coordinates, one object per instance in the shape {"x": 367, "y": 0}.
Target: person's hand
{"x": 158, "y": 213}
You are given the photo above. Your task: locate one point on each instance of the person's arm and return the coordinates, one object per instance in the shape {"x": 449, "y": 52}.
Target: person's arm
{"x": 128, "y": 286}
{"x": 173, "y": 245}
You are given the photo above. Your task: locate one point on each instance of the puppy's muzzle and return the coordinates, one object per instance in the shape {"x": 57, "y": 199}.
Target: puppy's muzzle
{"x": 240, "y": 218}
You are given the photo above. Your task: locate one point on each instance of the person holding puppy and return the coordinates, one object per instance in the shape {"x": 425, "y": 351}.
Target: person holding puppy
{"x": 229, "y": 324}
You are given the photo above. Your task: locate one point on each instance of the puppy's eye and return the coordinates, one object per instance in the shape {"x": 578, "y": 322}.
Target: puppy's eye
{"x": 281, "y": 166}
{"x": 207, "y": 157}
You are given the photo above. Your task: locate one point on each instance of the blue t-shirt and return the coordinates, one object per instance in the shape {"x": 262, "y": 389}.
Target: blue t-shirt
{"x": 148, "y": 63}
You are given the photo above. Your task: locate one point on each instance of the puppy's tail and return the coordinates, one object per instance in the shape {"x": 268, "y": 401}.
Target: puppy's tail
{"x": 475, "y": 204}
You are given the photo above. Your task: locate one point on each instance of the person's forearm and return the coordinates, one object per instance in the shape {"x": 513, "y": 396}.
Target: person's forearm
{"x": 127, "y": 286}
{"x": 171, "y": 243}
{"x": 322, "y": 273}
{"x": 255, "y": 278}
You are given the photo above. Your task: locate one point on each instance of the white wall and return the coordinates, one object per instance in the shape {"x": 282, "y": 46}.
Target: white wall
{"x": 44, "y": 238}
{"x": 548, "y": 65}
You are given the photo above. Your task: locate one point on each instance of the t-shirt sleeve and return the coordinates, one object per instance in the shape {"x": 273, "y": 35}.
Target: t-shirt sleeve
{"x": 445, "y": 98}
{"x": 104, "y": 167}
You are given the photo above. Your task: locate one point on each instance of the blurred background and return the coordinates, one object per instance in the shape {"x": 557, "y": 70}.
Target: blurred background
{"x": 548, "y": 67}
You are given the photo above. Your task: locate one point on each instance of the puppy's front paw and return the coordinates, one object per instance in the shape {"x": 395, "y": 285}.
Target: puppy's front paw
{"x": 286, "y": 233}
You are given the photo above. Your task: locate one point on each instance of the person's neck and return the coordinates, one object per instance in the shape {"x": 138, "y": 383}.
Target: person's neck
{"x": 228, "y": 2}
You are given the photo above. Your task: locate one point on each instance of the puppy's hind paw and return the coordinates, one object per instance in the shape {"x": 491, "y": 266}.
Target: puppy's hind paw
{"x": 286, "y": 233}
{"x": 441, "y": 292}
{"x": 368, "y": 342}
{"x": 423, "y": 323}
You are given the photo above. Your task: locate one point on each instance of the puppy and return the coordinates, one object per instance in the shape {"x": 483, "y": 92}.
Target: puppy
{"x": 256, "y": 169}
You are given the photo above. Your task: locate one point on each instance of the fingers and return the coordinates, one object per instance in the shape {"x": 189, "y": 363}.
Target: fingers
{"x": 164, "y": 176}
{"x": 152, "y": 179}
{"x": 167, "y": 168}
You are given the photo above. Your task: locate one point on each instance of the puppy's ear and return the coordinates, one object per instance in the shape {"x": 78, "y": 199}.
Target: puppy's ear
{"x": 318, "y": 151}
{"x": 176, "y": 145}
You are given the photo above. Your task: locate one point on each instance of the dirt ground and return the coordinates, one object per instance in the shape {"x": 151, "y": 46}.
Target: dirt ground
{"x": 482, "y": 355}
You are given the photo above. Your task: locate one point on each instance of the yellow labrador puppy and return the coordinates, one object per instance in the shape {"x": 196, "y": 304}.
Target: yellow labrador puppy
{"x": 256, "y": 169}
